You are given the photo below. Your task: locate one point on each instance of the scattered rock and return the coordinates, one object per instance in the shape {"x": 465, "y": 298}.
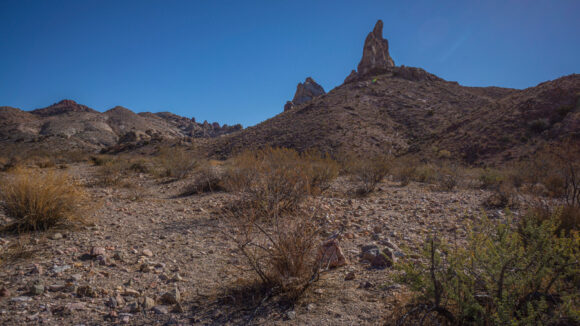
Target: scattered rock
{"x": 330, "y": 254}
{"x": 20, "y": 299}
{"x": 147, "y": 252}
{"x": 350, "y": 276}
{"x": 60, "y": 269}
{"x": 35, "y": 288}
{"x": 291, "y": 314}
{"x": 98, "y": 251}
{"x": 86, "y": 291}
{"x": 133, "y": 307}
{"x": 171, "y": 297}
{"x": 56, "y": 236}
{"x": 381, "y": 261}
{"x": 131, "y": 293}
{"x": 160, "y": 310}
{"x": 148, "y": 303}
{"x": 4, "y": 292}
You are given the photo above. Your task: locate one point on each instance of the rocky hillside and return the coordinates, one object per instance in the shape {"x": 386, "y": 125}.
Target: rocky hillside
{"x": 69, "y": 125}
{"x": 385, "y": 108}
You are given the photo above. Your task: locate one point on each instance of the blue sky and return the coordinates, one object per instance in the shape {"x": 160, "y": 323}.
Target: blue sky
{"x": 239, "y": 61}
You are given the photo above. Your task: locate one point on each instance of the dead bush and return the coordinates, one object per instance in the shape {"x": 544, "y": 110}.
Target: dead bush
{"x": 280, "y": 250}
{"x": 320, "y": 169}
{"x": 175, "y": 162}
{"x": 368, "y": 172}
{"x": 39, "y": 201}
{"x": 276, "y": 180}
{"x": 111, "y": 173}
{"x": 207, "y": 179}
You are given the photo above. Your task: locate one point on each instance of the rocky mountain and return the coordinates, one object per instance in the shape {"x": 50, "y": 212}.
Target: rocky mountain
{"x": 383, "y": 108}
{"x": 305, "y": 92}
{"x": 69, "y": 125}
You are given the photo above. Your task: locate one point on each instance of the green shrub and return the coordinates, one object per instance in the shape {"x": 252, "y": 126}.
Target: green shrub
{"x": 505, "y": 275}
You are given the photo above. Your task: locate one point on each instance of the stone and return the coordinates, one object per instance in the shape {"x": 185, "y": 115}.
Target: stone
{"x": 330, "y": 255}
{"x": 86, "y": 291}
{"x": 160, "y": 310}
{"x": 381, "y": 261}
{"x": 35, "y": 288}
{"x": 60, "y": 269}
{"x": 56, "y": 236}
{"x": 21, "y": 299}
{"x": 369, "y": 252}
{"x": 350, "y": 276}
{"x": 291, "y": 314}
{"x": 375, "y": 52}
{"x": 171, "y": 297}
{"x": 178, "y": 308}
{"x": 37, "y": 269}
{"x": 98, "y": 251}
{"x": 4, "y": 292}
{"x": 133, "y": 307}
{"x": 147, "y": 252}
{"x": 148, "y": 303}
{"x": 131, "y": 293}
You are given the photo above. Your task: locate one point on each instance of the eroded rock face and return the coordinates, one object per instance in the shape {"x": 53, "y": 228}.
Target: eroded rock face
{"x": 305, "y": 92}
{"x": 375, "y": 51}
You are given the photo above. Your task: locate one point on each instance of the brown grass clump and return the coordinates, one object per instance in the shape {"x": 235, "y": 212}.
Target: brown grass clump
{"x": 368, "y": 172}
{"x": 39, "y": 201}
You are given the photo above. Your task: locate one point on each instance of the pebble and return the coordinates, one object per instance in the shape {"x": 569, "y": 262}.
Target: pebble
{"x": 56, "y": 236}
{"x": 171, "y": 297}
{"x": 160, "y": 310}
{"x": 147, "y": 252}
{"x": 60, "y": 269}
{"x": 131, "y": 293}
{"x": 21, "y": 299}
{"x": 98, "y": 251}
{"x": 291, "y": 314}
{"x": 350, "y": 276}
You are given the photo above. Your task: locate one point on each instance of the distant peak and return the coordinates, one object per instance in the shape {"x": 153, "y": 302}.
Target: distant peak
{"x": 305, "y": 92}
{"x": 378, "y": 30}
{"x": 61, "y": 107}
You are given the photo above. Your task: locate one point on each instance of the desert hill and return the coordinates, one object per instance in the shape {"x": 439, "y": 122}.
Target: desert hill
{"x": 72, "y": 126}
{"x": 385, "y": 108}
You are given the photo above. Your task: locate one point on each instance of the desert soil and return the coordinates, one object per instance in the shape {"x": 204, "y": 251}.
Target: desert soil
{"x": 153, "y": 243}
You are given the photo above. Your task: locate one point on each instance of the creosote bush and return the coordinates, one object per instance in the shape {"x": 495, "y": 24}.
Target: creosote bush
{"x": 175, "y": 162}
{"x": 368, "y": 172}
{"x": 208, "y": 178}
{"x": 276, "y": 180}
{"x": 39, "y": 201}
{"x": 505, "y": 275}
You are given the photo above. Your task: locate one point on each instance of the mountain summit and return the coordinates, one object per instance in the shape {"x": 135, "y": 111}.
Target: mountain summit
{"x": 375, "y": 54}
{"x": 305, "y": 92}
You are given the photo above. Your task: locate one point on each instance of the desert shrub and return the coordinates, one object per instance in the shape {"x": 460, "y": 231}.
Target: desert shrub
{"x": 274, "y": 180}
{"x": 280, "y": 250}
{"x": 208, "y": 178}
{"x": 321, "y": 170}
{"x": 505, "y": 275}
{"x": 111, "y": 173}
{"x": 504, "y": 196}
{"x": 567, "y": 216}
{"x": 368, "y": 172}
{"x": 404, "y": 170}
{"x": 39, "y": 201}
{"x": 539, "y": 125}
{"x": 490, "y": 178}
{"x": 175, "y": 162}
{"x": 100, "y": 160}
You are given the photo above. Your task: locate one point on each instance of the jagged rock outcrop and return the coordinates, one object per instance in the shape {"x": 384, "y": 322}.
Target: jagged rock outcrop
{"x": 305, "y": 92}
{"x": 375, "y": 54}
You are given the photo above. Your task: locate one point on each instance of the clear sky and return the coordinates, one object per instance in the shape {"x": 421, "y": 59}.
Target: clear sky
{"x": 239, "y": 61}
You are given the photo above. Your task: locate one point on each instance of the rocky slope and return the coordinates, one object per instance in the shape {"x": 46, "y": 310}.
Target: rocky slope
{"x": 69, "y": 125}
{"x": 383, "y": 108}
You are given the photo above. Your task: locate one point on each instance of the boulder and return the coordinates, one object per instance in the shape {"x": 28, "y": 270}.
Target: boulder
{"x": 330, "y": 254}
